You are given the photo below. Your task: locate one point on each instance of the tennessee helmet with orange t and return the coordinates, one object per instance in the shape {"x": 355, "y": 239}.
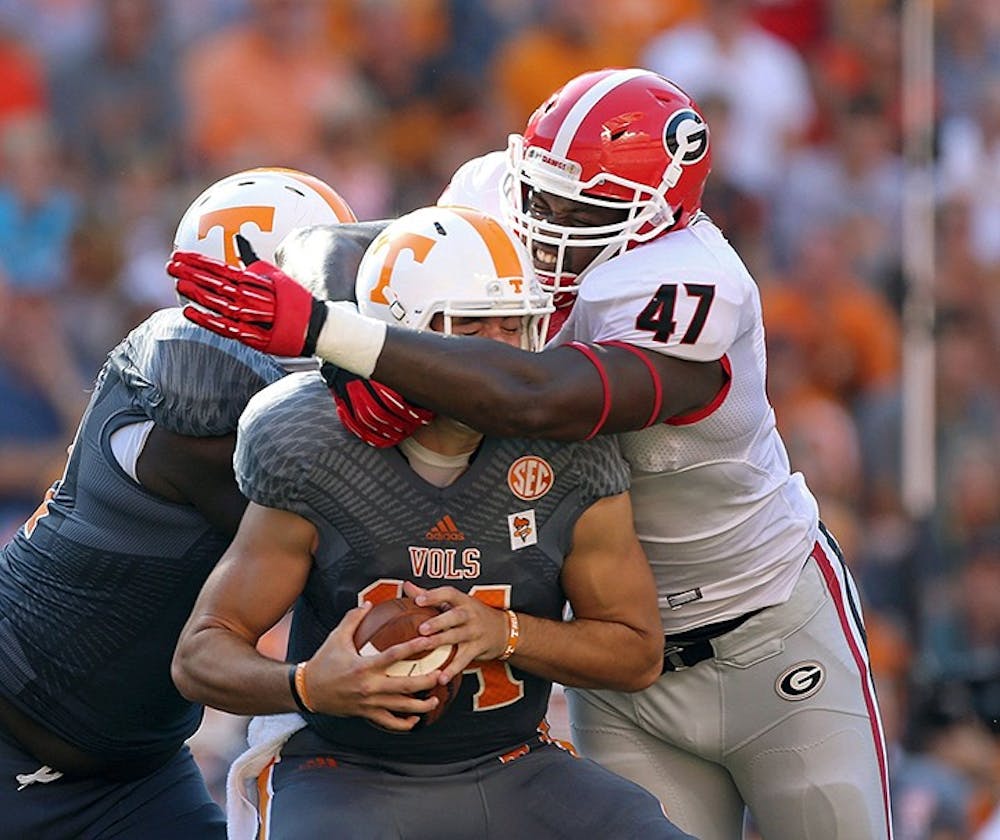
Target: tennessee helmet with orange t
{"x": 263, "y": 204}
{"x": 455, "y": 261}
{"x": 628, "y": 140}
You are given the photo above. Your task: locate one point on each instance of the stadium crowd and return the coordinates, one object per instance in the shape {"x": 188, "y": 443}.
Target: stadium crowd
{"x": 114, "y": 114}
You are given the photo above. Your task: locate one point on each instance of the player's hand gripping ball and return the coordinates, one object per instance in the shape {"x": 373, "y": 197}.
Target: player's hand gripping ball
{"x": 391, "y": 622}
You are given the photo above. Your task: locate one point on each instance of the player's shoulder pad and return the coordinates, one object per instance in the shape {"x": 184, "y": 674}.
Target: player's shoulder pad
{"x": 476, "y": 183}
{"x": 597, "y": 467}
{"x": 281, "y": 433}
{"x": 602, "y": 467}
{"x": 325, "y": 258}
{"x": 187, "y": 379}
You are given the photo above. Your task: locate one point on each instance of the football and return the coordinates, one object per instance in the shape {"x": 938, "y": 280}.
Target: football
{"x": 390, "y": 622}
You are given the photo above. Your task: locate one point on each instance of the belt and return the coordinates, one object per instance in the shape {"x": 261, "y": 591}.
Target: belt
{"x": 687, "y": 649}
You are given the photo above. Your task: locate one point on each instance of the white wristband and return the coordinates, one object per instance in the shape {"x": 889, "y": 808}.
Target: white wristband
{"x": 350, "y": 340}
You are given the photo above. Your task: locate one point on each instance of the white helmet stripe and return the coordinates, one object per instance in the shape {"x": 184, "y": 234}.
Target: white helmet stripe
{"x": 583, "y": 106}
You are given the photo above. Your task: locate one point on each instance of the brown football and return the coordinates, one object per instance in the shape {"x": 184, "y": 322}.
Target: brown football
{"x": 390, "y": 622}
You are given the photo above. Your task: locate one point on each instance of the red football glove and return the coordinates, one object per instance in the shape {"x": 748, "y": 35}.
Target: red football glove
{"x": 259, "y": 305}
{"x": 372, "y": 411}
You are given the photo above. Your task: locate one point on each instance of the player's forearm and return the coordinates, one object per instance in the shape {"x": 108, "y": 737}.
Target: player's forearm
{"x": 498, "y": 389}
{"x": 562, "y": 393}
{"x": 566, "y": 393}
{"x": 495, "y": 388}
{"x": 219, "y": 669}
{"x": 589, "y": 654}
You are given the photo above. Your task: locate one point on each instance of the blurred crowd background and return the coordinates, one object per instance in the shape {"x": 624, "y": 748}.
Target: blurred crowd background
{"x": 115, "y": 114}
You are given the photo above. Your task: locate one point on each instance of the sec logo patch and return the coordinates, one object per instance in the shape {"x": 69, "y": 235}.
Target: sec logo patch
{"x": 800, "y": 681}
{"x": 530, "y": 477}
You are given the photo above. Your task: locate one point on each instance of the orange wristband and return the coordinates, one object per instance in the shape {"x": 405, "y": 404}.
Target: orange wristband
{"x": 513, "y": 634}
{"x": 299, "y": 692}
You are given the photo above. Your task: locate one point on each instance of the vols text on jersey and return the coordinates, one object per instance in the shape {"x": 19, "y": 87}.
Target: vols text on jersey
{"x": 444, "y": 563}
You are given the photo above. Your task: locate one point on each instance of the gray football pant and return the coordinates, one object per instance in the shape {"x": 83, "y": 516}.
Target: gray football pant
{"x": 783, "y": 720}
{"x": 542, "y": 793}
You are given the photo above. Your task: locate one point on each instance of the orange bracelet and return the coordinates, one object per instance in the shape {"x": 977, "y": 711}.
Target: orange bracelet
{"x": 300, "y": 686}
{"x": 513, "y": 634}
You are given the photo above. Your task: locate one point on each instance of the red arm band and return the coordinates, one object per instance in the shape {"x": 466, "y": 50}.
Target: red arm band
{"x": 588, "y": 351}
{"x": 653, "y": 375}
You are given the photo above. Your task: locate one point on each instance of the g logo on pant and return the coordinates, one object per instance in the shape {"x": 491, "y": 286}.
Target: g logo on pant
{"x": 800, "y": 681}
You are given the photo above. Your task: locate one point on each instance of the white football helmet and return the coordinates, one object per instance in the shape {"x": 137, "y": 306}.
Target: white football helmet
{"x": 264, "y": 205}
{"x": 456, "y": 261}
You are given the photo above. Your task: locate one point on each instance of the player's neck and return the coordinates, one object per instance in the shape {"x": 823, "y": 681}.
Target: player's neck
{"x": 432, "y": 465}
{"x": 448, "y": 437}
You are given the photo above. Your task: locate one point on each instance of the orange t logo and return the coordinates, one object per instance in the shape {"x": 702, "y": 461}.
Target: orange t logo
{"x": 231, "y": 219}
{"x": 419, "y": 246}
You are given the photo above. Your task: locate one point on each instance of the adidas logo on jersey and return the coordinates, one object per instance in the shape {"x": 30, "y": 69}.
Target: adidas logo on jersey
{"x": 445, "y": 529}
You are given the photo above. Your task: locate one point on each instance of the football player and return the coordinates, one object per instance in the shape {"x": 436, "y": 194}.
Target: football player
{"x": 95, "y": 587}
{"x": 766, "y": 699}
{"x": 499, "y": 534}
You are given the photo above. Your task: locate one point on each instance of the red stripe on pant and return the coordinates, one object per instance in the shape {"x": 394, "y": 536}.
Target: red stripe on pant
{"x": 837, "y": 591}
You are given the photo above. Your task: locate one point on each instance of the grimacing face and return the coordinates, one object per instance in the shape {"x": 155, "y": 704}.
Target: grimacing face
{"x": 554, "y": 209}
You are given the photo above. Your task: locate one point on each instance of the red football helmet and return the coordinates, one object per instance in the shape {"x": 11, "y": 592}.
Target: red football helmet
{"x": 623, "y": 139}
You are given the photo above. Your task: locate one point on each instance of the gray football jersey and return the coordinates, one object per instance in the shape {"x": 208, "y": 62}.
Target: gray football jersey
{"x": 500, "y": 532}
{"x": 94, "y": 590}
{"x": 189, "y": 380}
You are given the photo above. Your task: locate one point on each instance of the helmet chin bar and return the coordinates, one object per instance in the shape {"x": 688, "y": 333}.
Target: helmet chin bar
{"x": 559, "y": 280}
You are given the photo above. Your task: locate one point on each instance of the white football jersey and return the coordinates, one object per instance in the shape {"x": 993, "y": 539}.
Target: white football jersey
{"x": 726, "y": 525}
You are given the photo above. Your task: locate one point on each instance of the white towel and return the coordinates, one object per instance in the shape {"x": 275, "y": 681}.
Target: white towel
{"x": 266, "y": 735}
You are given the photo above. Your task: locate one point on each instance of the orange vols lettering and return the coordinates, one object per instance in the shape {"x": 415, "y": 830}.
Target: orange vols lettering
{"x": 443, "y": 562}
